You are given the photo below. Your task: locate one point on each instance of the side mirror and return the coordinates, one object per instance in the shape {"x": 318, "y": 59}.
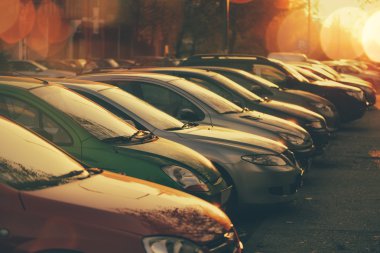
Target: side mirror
{"x": 130, "y": 122}
{"x": 187, "y": 114}
{"x": 37, "y": 69}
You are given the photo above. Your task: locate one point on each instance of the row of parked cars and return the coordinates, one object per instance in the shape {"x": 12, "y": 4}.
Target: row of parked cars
{"x": 146, "y": 159}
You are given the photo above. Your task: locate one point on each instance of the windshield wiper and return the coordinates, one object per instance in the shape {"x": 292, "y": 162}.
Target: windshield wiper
{"x": 185, "y": 125}
{"x": 121, "y": 138}
{"x": 230, "y": 112}
{"x": 138, "y": 135}
{"x": 74, "y": 173}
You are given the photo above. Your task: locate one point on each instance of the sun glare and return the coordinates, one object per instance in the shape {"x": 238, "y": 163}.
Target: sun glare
{"x": 341, "y": 33}
{"x": 371, "y": 38}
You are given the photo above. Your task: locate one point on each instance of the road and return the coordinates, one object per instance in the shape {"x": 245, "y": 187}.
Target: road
{"x": 338, "y": 208}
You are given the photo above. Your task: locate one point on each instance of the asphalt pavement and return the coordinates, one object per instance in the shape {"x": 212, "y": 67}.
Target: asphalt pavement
{"x": 338, "y": 208}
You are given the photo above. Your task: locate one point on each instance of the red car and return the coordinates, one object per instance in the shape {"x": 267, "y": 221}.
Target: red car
{"x": 51, "y": 203}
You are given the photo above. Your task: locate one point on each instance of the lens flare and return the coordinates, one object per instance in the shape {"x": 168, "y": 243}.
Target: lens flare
{"x": 371, "y": 38}
{"x": 291, "y": 33}
{"x": 341, "y": 33}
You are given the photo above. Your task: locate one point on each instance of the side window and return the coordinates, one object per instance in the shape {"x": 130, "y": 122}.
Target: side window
{"x": 268, "y": 72}
{"x": 112, "y": 109}
{"x": 165, "y": 100}
{"x": 23, "y": 66}
{"x": 30, "y": 117}
{"x": 212, "y": 87}
{"x": 248, "y": 84}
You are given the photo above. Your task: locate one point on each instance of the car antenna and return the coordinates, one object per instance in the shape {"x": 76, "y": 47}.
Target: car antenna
{"x": 39, "y": 79}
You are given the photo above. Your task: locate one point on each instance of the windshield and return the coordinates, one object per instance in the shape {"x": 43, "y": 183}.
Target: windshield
{"x": 214, "y": 101}
{"x": 294, "y": 73}
{"x": 230, "y": 84}
{"x": 246, "y": 79}
{"x": 150, "y": 114}
{"x": 308, "y": 74}
{"x": 40, "y": 65}
{"x": 96, "y": 120}
{"x": 28, "y": 162}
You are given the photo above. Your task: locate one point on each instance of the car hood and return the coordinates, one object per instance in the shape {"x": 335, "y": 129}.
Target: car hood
{"x": 355, "y": 81}
{"x": 295, "y": 111}
{"x": 229, "y": 137}
{"x": 117, "y": 202}
{"x": 333, "y": 84}
{"x": 267, "y": 122}
{"x": 178, "y": 154}
{"x": 308, "y": 95}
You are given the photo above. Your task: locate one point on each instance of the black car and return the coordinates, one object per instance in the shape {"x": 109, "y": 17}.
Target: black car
{"x": 269, "y": 90}
{"x": 349, "y": 101}
{"x": 314, "y": 123}
{"x": 319, "y": 70}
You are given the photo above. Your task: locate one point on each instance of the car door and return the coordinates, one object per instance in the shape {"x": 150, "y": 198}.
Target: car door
{"x": 11, "y": 211}
{"x": 41, "y": 121}
{"x": 166, "y": 99}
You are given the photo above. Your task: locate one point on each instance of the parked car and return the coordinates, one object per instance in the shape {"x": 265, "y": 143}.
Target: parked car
{"x": 271, "y": 91}
{"x": 189, "y": 102}
{"x": 255, "y": 181}
{"x": 32, "y": 68}
{"x": 96, "y": 137}
{"x": 59, "y": 64}
{"x": 314, "y": 123}
{"x": 51, "y": 203}
{"x": 320, "y": 71}
{"x": 347, "y": 68}
{"x": 349, "y": 101}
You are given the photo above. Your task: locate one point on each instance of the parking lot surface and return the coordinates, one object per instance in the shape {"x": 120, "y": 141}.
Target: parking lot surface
{"x": 337, "y": 210}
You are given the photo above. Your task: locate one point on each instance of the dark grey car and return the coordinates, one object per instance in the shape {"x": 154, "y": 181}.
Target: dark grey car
{"x": 190, "y": 102}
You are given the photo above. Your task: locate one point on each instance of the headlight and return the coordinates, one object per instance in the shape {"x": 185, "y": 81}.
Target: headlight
{"x": 323, "y": 109}
{"x": 315, "y": 124}
{"x": 294, "y": 140}
{"x": 267, "y": 160}
{"x": 163, "y": 244}
{"x": 185, "y": 178}
{"x": 359, "y": 95}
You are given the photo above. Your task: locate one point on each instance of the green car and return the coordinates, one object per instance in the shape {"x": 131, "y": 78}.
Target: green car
{"x": 100, "y": 139}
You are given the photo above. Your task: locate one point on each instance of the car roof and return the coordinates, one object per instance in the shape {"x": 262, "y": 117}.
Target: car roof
{"x": 157, "y": 76}
{"x": 26, "y": 83}
{"x": 225, "y": 56}
{"x": 89, "y": 85}
{"x": 181, "y": 69}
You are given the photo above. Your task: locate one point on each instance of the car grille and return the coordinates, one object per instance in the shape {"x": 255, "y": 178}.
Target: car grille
{"x": 287, "y": 190}
{"x": 228, "y": 243}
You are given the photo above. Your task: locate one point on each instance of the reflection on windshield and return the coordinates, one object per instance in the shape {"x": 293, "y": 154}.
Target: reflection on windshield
{"x": 308, "y": 74}
{"x": 216, "y": 102}
{"x": 96, "y": 120}
{"x": 28, "y": 162}
{"x": 290, "y": 69}
{"x": 237, "y": 88}
{"x": 148, "y": 113}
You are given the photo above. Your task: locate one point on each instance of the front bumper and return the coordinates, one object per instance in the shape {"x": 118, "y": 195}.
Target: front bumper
{"x": 257, "y": 184}
{"x": 350, "y": 109}
{"x": 320, "y": 139}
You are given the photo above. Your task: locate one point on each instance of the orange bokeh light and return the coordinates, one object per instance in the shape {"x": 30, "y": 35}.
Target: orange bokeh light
{"x": 371, "y": 38}
{"x": 23, "y": 25}
{"x": 291, "y": 33}
{"x": 341, "y": 33}
{"x": 9, "y": 10}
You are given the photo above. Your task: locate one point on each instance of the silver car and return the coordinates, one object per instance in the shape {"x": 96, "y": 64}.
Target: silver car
{"x": 261, "y": 170}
